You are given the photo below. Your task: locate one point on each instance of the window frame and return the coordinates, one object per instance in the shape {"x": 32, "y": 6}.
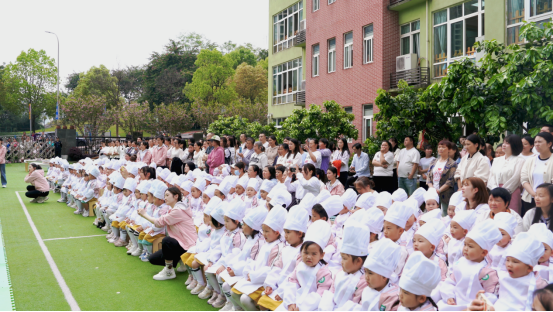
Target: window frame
{"x": 542, "y": 17}
{"x": 331, "y": 2}
{"x": 288, "y": 41}
{"x": 368, "y": 45}
{"x": 285, "y": 73}
{"x": 331, "y": 54}
{"x": 411, "y": 35}
{"x": 316, "y": 5}
{"x": 315, "y": 70}
{"x": 370, "y": 119}
{"x": 348, "y": 50}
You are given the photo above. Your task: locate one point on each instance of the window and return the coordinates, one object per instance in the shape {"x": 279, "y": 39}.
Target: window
{"x": 286, "y": 25}
{"x": 409, "y": 41}
{"x": 368, "y": 44}
{"x": 332, "y": 55}
{"x": 278, "y": 122}
{"x": 331, "y": 1}
{"x": 518, "y": 11}
{"x": 315, "y": 64}
{"x": 348, "y": 50}
{"x": 315, "y": 5}
{"x": 287, "y": 78}
{"x": 367, "y": 121}
{"x": 455, "y": 32}
{"x": 349, "y": 110}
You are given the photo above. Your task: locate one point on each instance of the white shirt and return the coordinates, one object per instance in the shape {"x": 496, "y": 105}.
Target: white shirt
{"x": 318, "y": 157}
{"x": 539, "y": 169}
{"x": 437, "y": 173}
{"x": 381, "y": 171}
{"x": 506, "y": 172}
{"x": 344, "y": 157}
{"x": 425, "y": 164}
{"x": 407, "y": 158}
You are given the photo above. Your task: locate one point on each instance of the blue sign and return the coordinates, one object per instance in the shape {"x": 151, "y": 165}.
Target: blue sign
{"x": 57, "y": 110}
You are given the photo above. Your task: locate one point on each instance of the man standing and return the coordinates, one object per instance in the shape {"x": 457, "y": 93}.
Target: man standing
{"x": 263, "y": 140}
{"x": 57, "y": 147}
{"x": 359, "y": 165}
{"x": 407, "y": 166}
{"x": 3, "y": 150}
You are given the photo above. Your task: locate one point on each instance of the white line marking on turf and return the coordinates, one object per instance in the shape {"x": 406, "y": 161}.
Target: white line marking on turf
{"x": 64, "y": 288}
{"x": 50, "y": 239}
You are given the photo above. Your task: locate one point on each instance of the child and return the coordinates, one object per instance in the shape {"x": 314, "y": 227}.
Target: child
{"x": 544, "y": 202}
{"x": 472, "y": 272}
{"x": 426, "y": 240}
{"x": 456, "y": 199}
{"x": 113, "y": 204}
{"x": 432, "y": 199}
{"x": 365, "y": 201}
{"x": 119, "y": 236}
{"x": 433, "y": 214}
{"x": 264, "y": 189}
{"x": 411, "y": 226}
{"x": 91, "y": 190}
{"x": 381, "y": 292}
{"x": 545, "y": 236}
{"x": 251, "y": 194}
{"x": 384, "y": 201}
{"x": 131, "y": 215}
{"x": 349, "y": 283}
{"x": 395, "y": 221}
{"x": 159, "y": 208}
{"x": 459, "y": 227}
{"x": 134, "y": 221}
{"x": 248, "y": 291}
{"x": 223, "y": 190}
{"x": 197, "y": 202}
{"x": 294, "y": 232}
{"x": 311, "y": 277}
{"x": 399, "y": 195}
{"x": 506, "y": 224}
{"x": 374, "y": 220}
{"x": 419, "y": 278}
{"x": 241, "y": 187}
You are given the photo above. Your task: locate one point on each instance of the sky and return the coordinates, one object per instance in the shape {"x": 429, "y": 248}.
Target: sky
{"x": 119, "y": 33}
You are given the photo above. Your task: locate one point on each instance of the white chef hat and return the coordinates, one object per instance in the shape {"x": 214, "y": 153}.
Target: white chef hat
{"x": 456, "y": 199}
{"x": 465, "y": 218}
{"x": 159, "y": 192}
{"x": 434, "y": 214}
{"x": 420, "y": 275}
{"x": 307, "y": 203}
{"x": 256, "y": 217}
{"x": 267, "y": 185}
{"x": 225, "y": 186}
{"x": 208, "y": 177}
{"x": 526, "y": 248}
{"x": 236, "y": 210}
{"x": 384, "y": 257}
{"x": 153, "y": 165}
{"x": 130, "y": 184}
{"x": 200, "y": 184}
{"x": 366, "y": 201}
{"x": 398, "y": 214}
{"x": 399, "y": 195}
{"x": 333, "y": 205}
{"x": 210, "y": 190}
{"x": 413, "y": 205}
{"x": 132, "y": 169}
{"x": 318, "y": 232}
{"x": 384, "y": 199}
{"x": 158, "y": 171}
{"x": 418, "y": 195}
{"x": 277, "y": 189}
{"x": 542, "y": 233}
{"x": 191, "y": 175}
{"x": 212, "y": 204}
{"x": 297, "y": 220}
{"x": 243, "y": 181}
{"x": 486, "y": 234}
{"x": 253, "y": 184}
{"x": 170, "y": 177}
{"x": 433, "y": 231}
{"x": 276, "y": 218}
{"x": 164, "y": 174}
{"x": 144, "y": 186}
{"x": 431, "y": 194}
{"x": 348, "y": 198}
{"x": 153, "y": 187}
{"x": 323, "y": 195}
{"x": 506, "y": 222}
{"x": 374, "y": 219}
{"x": 119, "y": 182}
{"x": 218, "y": 213}
{"x": 356, "y": 239}
{"x": 281, "y": 199}
{"x": 175, "y": 180}
{"x": 187, "y": 186}
{"x": 94, "y": 171}
{"x": 216, "y": 180}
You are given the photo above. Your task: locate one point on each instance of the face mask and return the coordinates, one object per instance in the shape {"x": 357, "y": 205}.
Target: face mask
{"x": 236, "y": 172}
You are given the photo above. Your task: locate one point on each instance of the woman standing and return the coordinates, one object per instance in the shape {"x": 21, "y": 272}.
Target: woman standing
{"x": 39, "y": 189}
{"x": 294, "y": 158}
{"x": 506, "y": 170}
{"x": 217, "y": 155}
{"x": 177, "y": 153}
{"x": 334, "y": 186}
{"x": 340, "y": 160}
{"x": 307, "y": 178}
{"x": 474, "y": 164}
{"x": 383, "y": 163}
{"x": 536, "y": 170}
{"x": 424, "y": 164}
{"x": 199, "y": 155}
{"x": 326, "y": 153}
{"x": 527, "y": 146}
{"x": 272, "y": 150}
{"x": 258, "y": 158}
{"x": 144, "y": 155}
{"x": 283, "y": 152}
{"x": 181, "y": 232}
{"x": 440, "y": 175}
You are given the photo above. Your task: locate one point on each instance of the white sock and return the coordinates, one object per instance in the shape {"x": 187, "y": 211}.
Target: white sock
{"x": 247, "y": 303}
{"x": 198, "y": 276}
{"x": 149, "y": 249}
{"x": 123, "y": 235}
{"x": 115, "y": 231}
{"x": 212, "y": 281}
{"x": 235, "y": 299}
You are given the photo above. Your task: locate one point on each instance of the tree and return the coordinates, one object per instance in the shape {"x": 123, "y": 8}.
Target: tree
{"x": 241, "y": 55}
{"x": 99, "y": 82}
{"x": 236, "y": 125}
{"x": 511, "y": 86}
{"x": 72, "y": 81}
{"x": 193, "y": 43}
{"x": 129, "y": 82}
{"x": 30, "y": 81}
{"x": 211, "y": 79}
{"x": 133, "y": 117}
{"x": 228, "y": 47}
{"x": 251, "y": 83}
{"x": 331, "y": 123}
{"x": 169, "y": 119}
{"x": 89, "y": 113}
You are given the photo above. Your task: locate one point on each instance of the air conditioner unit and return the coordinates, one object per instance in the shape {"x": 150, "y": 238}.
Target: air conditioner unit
{"x": 406, "y": 62}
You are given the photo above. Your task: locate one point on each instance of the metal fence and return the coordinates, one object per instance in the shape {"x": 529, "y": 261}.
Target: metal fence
{"x": 19, "y": 149}
{"x": 92, "y": 145}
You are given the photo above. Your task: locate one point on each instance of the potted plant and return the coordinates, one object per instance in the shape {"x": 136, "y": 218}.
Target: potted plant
{"x": 72, "y": 127}
{"x": 64, "y": 127}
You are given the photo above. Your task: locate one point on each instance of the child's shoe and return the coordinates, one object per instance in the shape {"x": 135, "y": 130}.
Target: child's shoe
{"x": 120, "y": 243}
{"x": 192, "y": 285}
{"x": 206, "y": 293}
{"x": 228, "y": 306}
{"x": 213, "y": 298}
{"x": 137, "y": 252}
{"x": 181, "y": 268}
{"x": 189, "y": 280}
{"x": 198, "y": 289}
{"x": 146, "y": 257}
{"x": 220, "y": 302}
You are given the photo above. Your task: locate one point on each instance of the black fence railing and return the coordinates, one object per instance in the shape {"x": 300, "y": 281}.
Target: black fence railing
{"x": 92, "y": 145}
{"x": 417, "y": 76}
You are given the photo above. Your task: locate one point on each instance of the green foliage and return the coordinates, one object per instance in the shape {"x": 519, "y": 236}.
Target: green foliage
{"x": 236, "y": 125}
{"x": 251, "y": 83}
{"x": 129, "y": 82}
{"x": 241, "y": 55}
{"x": 72, "y": 81}
{"x": 98, "y": 82}
{"x": 331, "y": 123}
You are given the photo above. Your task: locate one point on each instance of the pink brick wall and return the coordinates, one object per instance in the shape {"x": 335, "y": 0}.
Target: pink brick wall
{"x": 357, "y": 85}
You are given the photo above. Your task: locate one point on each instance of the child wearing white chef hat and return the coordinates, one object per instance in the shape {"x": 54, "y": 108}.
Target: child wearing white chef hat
{"x": 420, "y": 276}
{"x": 506, "y": 224}
{"x": 545, "y": 236}
{"x": 426, "y": 240}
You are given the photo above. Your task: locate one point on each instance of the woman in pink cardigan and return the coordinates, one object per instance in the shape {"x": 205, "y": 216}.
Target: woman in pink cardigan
{"x": 181, "y": 233}
{"x": 39, "y": 188}
{"x": 217, "y": 155}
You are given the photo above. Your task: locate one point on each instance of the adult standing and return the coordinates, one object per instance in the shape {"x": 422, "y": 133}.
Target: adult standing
{"x": 536, "y": 170}
{"x": 144, "y": 155}
{"x": 383, "y": 163}
{"x": 441, "y": 174}
{"x": 325, "y": 154}
{"x": 208, "y": 150}
{"x": 177, "y": 153}
{"x": 181, "y": 232}
{"x": 313, "y": 155}
{"x": 294, "y": 158}
{"x": 505, "y": 171}
{"x": 527, "y": 146}
{"x": 545, "y": 128}
{"x": 283, "y": 152}
{"x": 360, "y": 164}
{"x": 217, "y": 155}
{"x": 424, "y": 164}
{"x": 39, "y": 188}
{"x": 3, "y": 151}
{"x": 340, "y": 160}
{"x": 247, "y": 152}
{"x": 473, "y": 164}
{"x": 271, "y": 150}
{"x": 263, "y": 140}
{"x": 239, "y": 148}
{"x": 407, "y": 164}
{"x": 159, "y": 153}
{"x": 258, "y": 158}
{"x": 57, "y": 147}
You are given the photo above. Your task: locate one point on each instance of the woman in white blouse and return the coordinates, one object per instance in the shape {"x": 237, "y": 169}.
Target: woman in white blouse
{"x": 383, "y": 163}
{"x": 282, "y": 154}
{"x": 308, "y": 179}
{"x": 506, "y": 170}
{"x": 527, "y": 147}
{"x": 294, "y": 158}
{"x": 199, "y": 155}
{"x": 536, "y": 170}
{"x": 473, "y": 164}
{"x": 342, "y": 154}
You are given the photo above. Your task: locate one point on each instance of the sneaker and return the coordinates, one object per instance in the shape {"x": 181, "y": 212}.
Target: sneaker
{"x": 120, "y": 243}
{"x": 113, "y": 240}
{"x": 137, "y": 252}
{"x": 165, "y": 274}
{"x": 188, "y": 280}
{"x": 213, "y": 298}
{"x": 109, "y": 236}
{"x": 146, "y": 257}
{"x": 104, "y": 228}
{"x": 77, "y": 212}
{"x": 198, "y": 289}
{"x": 4, "y": 186}
{"x": 228, "y": 306}
{"x": 43, "y": 199}
{"x": 181, "y": 268}
{"x": 85, "y": 213}
{"x": 192, "y": 285}
{"x": 34, "y": 200}
{"x": 236, "y": 308}
{"x": 206, "y": 293}
{"x": 220, "y": 302}
{"x": 60, "y": 200}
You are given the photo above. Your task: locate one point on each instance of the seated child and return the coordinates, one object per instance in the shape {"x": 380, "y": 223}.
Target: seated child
{"x": 151, "y": 232}
{"x": 251, "y": 194}
{"x": 241, "y": 187}
{"x": 426, "y": 240}
{"x": 348, "y": 199}
{"x": 119, "y": 236}
{"x": 459, "y": 227}
{"x": 395, "y": 222}
{"x": 456, "y": 199}
{"x": 420, "y": 276}
{"x": 374, "y": 220}
{"x": 432, "y": 200}
{"x": 134, "y": 221}
{"x": 545, "y": 236}
{"x": 506, "y": 224}
{"x": 383, "y": 201}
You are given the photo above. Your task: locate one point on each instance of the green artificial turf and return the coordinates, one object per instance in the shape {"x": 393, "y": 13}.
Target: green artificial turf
{"x": 99, "y": 275}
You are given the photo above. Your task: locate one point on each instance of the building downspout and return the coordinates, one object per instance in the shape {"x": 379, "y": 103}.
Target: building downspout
{"x": 427, "y": 36}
